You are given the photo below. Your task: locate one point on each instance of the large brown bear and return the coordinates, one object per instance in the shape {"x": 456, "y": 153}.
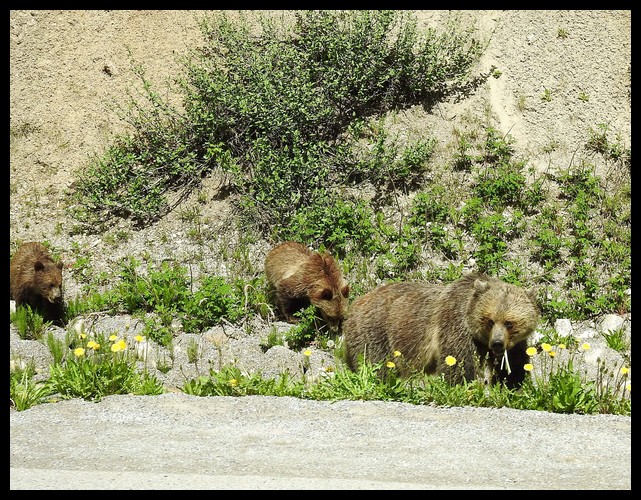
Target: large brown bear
{"x": 300, "y": 277}
{"x": 474, "y": 319}
{"x": 36, "y": 281}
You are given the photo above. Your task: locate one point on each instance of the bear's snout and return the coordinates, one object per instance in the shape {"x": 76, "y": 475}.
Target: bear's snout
{"x": 497, "y": 347}
{"x": 498, "y": 340}
{"x": 54, "y": 295}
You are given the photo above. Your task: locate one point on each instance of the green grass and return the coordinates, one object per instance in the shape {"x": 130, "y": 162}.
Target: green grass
{"x": 93, "y": 366}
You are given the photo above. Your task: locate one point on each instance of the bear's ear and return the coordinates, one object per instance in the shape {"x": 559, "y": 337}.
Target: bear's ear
{"x": 481, "y": 285}
{"x": 533, "y": 293}
{"x": 345, "y": 291}
{"x": 60, "y": 264}
{"x": 326, "y": 294}
{"x": 39, "y": 266}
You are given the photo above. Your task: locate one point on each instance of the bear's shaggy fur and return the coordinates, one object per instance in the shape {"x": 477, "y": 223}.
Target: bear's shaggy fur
{"x": 474, "y": 319}
{"x": 300, "y": 276}
{"x": 36, "y": 280}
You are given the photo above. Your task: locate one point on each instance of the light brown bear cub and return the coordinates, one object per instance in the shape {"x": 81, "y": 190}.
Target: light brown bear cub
{"x": 300, "y": 277}
{"x": 475, "y": 319}
{"x": 36, "y": 280}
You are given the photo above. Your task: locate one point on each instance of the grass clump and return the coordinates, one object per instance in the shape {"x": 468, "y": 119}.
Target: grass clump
{"x": 24, "y": 391}
{"x": 98, "y": 367}
{"x": 29, "y": 323}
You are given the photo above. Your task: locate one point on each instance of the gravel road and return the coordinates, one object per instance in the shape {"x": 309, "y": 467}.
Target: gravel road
{"x": 177, "y": 441}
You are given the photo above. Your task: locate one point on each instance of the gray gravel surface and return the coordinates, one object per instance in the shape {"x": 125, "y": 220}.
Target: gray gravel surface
{"x": 177, "y": 441}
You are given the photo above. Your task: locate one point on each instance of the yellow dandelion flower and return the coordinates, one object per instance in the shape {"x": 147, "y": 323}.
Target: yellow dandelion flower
{"x": 140, "y": 338}
{"x": 530, "y": 351}
{"x": 625, "y": 370}
{"x": 585, "y": 346}
{"x": 113, "y": 337}
{"x": 233, "y": 382}
{"x": 450, "y": 360}
{"x": 93, "y": 345}
{"x": 307, "y": 352}
{"x": 561, "y": 346}
{"x": 390, "y": 364}
{"x": 552, "y": 353}
{"x": 397, "y": 354}
{"x": 83, "y": 335}
{"x": 546, "y": 347}
{"x": 528, "y": 367}
{"x": 628, "y": 387}
{"x": 121, "y": 345}
{"x": 79, "y": 352}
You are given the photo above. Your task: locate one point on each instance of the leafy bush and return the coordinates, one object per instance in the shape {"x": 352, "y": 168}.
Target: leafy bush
{"x": 278, "y": 111}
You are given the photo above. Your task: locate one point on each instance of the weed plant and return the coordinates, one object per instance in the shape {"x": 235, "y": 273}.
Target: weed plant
{"x": 99, "y": 367}
{"x": 24, "y": 391}
{"x": 28, "y": 322}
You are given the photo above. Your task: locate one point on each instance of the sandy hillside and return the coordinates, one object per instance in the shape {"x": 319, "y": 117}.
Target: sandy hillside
{"x": 68, "y": 67}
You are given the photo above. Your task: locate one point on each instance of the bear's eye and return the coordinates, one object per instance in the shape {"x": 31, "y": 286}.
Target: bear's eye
{"x": 489, "y": 322}
{"x": 509, "y": 325}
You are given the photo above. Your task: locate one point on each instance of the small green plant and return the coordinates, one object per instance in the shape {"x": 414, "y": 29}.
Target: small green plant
{"x": 547, "y": 95}
{"x": 583, "y": 97}
{"x": 558, "y": 387}
{"x": 57, "y": 348}
{"x": 193, "y": 351}
{"x": 600, "y": 143}
{"x": 549, "y": 239}
{"x": 305, "y": 331}
{"x": 617, "y": 340}
{"x": 462, "y": 159}
{"x": 24, "y": 392}
{"x": 165, "y": 362}
{"x": 274, "y": 337}
{"x": 28, "y": 322}
{"x": 562, "y": 33}
{"x": 230, "y": 381}
{"x": 367, "y": 383}
{"x": 551, "y": 147}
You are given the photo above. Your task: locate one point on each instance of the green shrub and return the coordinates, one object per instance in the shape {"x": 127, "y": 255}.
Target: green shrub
{"x": 273, "y": 108}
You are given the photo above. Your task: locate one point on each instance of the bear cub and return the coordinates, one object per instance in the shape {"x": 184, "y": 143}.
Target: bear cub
{"x": 36, "y": 281}
{"x": 481, "y": 321}
{"x": 299, "y": 277}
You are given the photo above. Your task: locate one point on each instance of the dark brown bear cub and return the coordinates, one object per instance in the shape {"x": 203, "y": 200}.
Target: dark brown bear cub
{"x": 36, "y": 281}
{"x": 300, "y": 277}
{"x": 476, "y": 320}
